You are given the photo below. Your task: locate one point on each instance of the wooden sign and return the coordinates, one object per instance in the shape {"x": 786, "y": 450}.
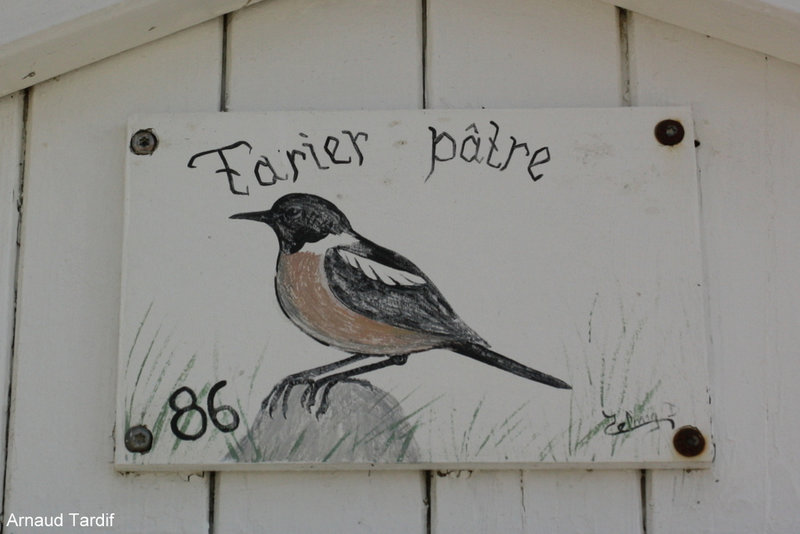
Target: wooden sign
{"x": 449, "y": 289}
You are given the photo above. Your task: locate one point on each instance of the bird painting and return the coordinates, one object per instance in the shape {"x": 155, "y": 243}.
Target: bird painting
{"x": 352, "y": 294}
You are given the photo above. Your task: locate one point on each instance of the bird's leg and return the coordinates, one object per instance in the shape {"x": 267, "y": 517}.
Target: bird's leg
{"x": 327, "y": 382}
{"x": 310, "y": 394}
{"x": 280, "y": 393}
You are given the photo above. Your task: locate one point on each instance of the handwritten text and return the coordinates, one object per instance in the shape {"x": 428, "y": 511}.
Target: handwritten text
{"x": 475, "y": 149}
{"x": 629, "y": 422}
{"x": 341, "y": 148}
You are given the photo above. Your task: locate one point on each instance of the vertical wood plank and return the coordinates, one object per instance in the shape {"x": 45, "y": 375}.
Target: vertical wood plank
{"x": 783, "y": 432}
{"x": 726, "y": 86}
{"x": 11, "y": 132}
{"x": 582, "y": 502}
{"x": 61, "y": 445}
{"x": 507, "y": 54}
{"x": 352, "y": 502}
{"x": 478, "y": 501}
{"x": 324, "y": 54}
{"x": 538, "y": 501}
{"x": 516, "y": 54}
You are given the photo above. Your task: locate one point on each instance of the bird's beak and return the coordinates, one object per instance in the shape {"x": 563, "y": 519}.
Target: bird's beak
{"x": 260, "y": 216}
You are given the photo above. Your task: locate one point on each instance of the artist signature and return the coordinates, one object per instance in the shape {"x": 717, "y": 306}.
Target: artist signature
{"x": 628, "y": 422}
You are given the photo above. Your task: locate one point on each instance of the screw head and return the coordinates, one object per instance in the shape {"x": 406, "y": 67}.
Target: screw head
{"x": 669, "y": 132}
{"x": 144, "y": 142}
{"x": 138, "y": 439}
{"x": 689, "y": 441}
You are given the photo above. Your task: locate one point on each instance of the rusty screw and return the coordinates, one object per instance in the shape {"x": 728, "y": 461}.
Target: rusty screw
{"x": 144, "y": 142}
{"x": 138, "y": 439}
{"x": 669, "y": 132}
{"x": 689, "y": 441}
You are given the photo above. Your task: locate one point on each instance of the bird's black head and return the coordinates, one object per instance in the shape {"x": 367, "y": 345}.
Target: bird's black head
{"x": 299, "y": 218}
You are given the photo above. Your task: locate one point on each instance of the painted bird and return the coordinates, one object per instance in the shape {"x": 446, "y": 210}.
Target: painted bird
{"x": 359, "y": 297}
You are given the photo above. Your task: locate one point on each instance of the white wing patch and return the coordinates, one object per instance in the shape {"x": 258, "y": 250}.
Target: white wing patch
{"x": 377, "y": 271}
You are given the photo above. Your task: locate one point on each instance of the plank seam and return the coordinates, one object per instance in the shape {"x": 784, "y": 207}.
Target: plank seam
{"x": 428, "y": 474}
{"x": 212, "y": 500}
{"x": 15, "y": 295}
{"x": 623, "y": 20}
{"x": 424, "y": 54}
{"x": 427, "y": 501}
{"x": 223, "y": 89}
{"x": 643, "y": 492}
{"x": 522, "y": 496}
{"x": 223, "y": 107}
{"x": 625, "y": 59}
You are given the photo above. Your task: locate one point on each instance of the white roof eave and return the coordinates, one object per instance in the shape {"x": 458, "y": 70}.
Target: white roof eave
{"x": 41, "y": 39}
{"x": 771, "y": 27}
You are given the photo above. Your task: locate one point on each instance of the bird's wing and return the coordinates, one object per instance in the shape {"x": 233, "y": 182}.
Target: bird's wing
{"x": 391, "y": 276}
{"x": 385, "y": 286}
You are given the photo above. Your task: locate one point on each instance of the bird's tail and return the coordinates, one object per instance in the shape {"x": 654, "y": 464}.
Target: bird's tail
{"x": 490, "y": 357}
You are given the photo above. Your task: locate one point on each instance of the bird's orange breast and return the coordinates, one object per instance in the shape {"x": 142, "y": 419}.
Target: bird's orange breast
{"x": 306, "y": 298}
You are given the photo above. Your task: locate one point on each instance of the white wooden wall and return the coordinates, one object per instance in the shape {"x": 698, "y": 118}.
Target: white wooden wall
{"x": 62, "y": 146}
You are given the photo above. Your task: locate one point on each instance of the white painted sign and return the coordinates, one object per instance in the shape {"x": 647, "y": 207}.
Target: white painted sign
{"x": 456, "y": 289}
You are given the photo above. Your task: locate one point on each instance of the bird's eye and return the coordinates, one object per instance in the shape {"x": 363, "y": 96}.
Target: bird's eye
{"x": 294, "y": 212}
